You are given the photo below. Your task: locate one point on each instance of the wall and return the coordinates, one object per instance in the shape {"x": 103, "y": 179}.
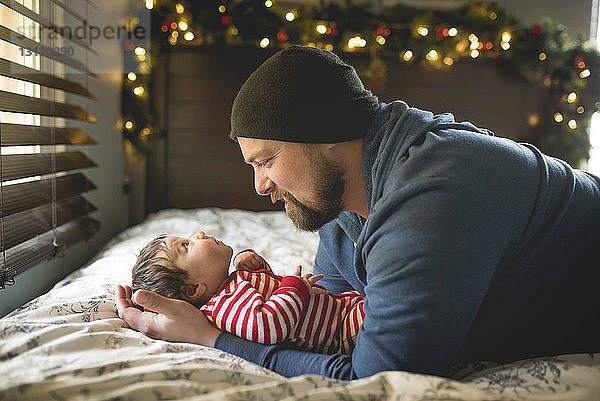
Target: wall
{"x": 112, "y": 203}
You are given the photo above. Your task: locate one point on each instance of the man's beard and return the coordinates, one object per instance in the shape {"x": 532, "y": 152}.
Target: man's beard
{"x": 328, "y": 190}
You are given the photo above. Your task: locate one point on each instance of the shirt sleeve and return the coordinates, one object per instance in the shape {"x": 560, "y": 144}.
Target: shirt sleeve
{"x": 245, "y": 312}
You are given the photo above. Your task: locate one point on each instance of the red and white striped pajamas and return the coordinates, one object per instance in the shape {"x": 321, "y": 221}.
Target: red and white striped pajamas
{"x": 263, "y": 307}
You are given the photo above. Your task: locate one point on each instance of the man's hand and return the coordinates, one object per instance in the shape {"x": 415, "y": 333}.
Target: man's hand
{"x": 164, "y": 318}
{"x": 310, "y": 279}
{"x": 250, "y": 260}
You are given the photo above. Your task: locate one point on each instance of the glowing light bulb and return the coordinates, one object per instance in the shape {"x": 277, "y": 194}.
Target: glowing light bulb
{"x": 423, "y": 31}
{"x": 131, "y": 76}
{"x": 290, "y": 16}
{"x": 585, "y": 73}
{"x": 129, "y": 125}
{"x": 380, "y": 39}
{"x": 452, "y": 31}
{"x": 533, "y": 120}
{"x": 222, "y": 8}
{"x": 572, "y": 97}
{"x": 558, "y": 117}
{"x": 580, "y": 109}
{"x": 149, "y": 4}
{"x": 474, "y": 53}
{"x": 179, "y": 8}
{"x": 407, "y": 55}
{"x": 505, "y": 45}
{"x": 329, "y": 47}
{"x": 321, "y": 29}
{"x": 473, "y": 38}
{"x": 542, "y": 56}
{"x": 506, "y": 37}
{"x": 448, "y": 60}
{"x": 432, "y": 55}
{"x": 264, "y": 42}
{"x": 572, "y": 124}
{"x": 140, "y": 51}
{"x": 188, "y": 36}
{"x": 138, "y": 91}
{"x": 268, "y": 3}
{"x": 183, "y": 25}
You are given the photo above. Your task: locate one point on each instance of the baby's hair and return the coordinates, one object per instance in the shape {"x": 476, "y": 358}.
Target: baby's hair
{"x": 155, "y": 271}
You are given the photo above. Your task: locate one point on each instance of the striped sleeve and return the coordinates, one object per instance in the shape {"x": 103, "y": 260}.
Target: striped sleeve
{"x": 248, "y": 313}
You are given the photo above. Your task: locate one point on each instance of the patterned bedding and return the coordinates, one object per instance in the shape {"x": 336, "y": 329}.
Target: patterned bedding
{"x": 69, "y": 344}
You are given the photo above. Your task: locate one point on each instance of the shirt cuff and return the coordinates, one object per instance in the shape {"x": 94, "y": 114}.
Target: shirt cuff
{"x": 297, "y": 283}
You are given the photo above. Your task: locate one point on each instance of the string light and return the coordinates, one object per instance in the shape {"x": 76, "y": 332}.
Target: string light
{"x": 432, "y": 55}
{"x": 146, "y": 131}
{"x": 572, "y": 97}
{"x": 380, "y": 39}
{"x": 172, "y": 40}
{"x": 505, "y": 45}
{"x": 175, "y": 34}
{"x": 131, "y": 76}
{"x": 585, "y": 73}
{"x": 188, "y": 36}
{"x": 452, "y": 31}
{"x": 473, "y": 38}
{"x": 572, "y": 124}
{"x": 580, "y": 109}
{"x": 149, "y": 4}
{"x": 329, "y": 47}
{"x": 474, "y": 53}
{"x": 179, "y": 8}
{"x": 222, "y": 9}
{"x": 268, "y": 3}
{"x": 321, "y": 29}
{"x": 423, "y": 31}
{"x": 356, "y": 41}
{"x": 183, "y": 25}
{"x": 448, "y": 60}
{"x": 506, "y": 37}
{"x": 140, "y": 51}
{"x": 264, "y": 42}
{"x": 290, "y": 16}
{"x": 558, "y": 117}
{"x": 542, "y": 56}
{"x": 138, "y": 90}
{"x": 533, "y": 120}
{"x": 408, "y": 55}
{"x": 129, "y": 125}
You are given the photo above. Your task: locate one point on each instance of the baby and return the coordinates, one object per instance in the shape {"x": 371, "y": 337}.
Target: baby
{"x": 252, "y": 302}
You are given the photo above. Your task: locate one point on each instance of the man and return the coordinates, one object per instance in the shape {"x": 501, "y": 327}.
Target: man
{"x": 465, "y": 246}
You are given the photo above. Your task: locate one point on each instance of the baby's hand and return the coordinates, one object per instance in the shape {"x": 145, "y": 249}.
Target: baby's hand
{"x": 310, "y": 279}
{"x": 249, "y": 260}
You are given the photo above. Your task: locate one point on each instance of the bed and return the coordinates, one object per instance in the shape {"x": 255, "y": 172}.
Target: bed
{"x": 69, "y": 344}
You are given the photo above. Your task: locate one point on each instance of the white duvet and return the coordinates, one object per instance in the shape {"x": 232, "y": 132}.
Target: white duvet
{"x": 70, "y": 345}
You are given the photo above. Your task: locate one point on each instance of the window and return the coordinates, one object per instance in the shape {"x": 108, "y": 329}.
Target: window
{"x": 42, "y": 208}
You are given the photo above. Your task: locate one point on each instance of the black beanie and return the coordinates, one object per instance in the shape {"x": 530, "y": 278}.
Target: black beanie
{"x": 303, "y": 94}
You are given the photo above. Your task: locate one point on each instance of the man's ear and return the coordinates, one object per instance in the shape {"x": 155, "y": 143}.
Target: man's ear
{"x": 193, "y": 292}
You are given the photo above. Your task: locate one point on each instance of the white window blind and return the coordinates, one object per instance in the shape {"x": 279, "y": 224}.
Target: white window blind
{"x": 42, "y": 207}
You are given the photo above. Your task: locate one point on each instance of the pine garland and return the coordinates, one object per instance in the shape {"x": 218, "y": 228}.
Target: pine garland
{"x": 542, "y": 53}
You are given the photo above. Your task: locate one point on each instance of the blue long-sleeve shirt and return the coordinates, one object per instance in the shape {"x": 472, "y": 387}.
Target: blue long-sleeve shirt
{"x": 475, "y": 247}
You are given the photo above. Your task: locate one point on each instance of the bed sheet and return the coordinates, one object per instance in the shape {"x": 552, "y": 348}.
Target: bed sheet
{"x": 69, "y": 344}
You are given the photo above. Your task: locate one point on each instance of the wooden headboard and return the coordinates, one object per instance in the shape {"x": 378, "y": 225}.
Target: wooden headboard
{"x": 196, "y": 164}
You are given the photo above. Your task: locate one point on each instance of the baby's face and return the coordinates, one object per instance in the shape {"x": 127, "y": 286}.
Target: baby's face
{"x": 205, "y": 259}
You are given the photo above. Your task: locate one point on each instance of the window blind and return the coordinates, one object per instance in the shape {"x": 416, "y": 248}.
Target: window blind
{"x": 43, "y": 210}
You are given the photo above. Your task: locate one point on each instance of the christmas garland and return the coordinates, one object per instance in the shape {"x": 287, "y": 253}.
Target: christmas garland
{"x": 432, "y": 38}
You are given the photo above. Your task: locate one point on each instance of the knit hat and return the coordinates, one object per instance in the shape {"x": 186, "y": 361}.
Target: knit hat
{"x": 303, "y": 94}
